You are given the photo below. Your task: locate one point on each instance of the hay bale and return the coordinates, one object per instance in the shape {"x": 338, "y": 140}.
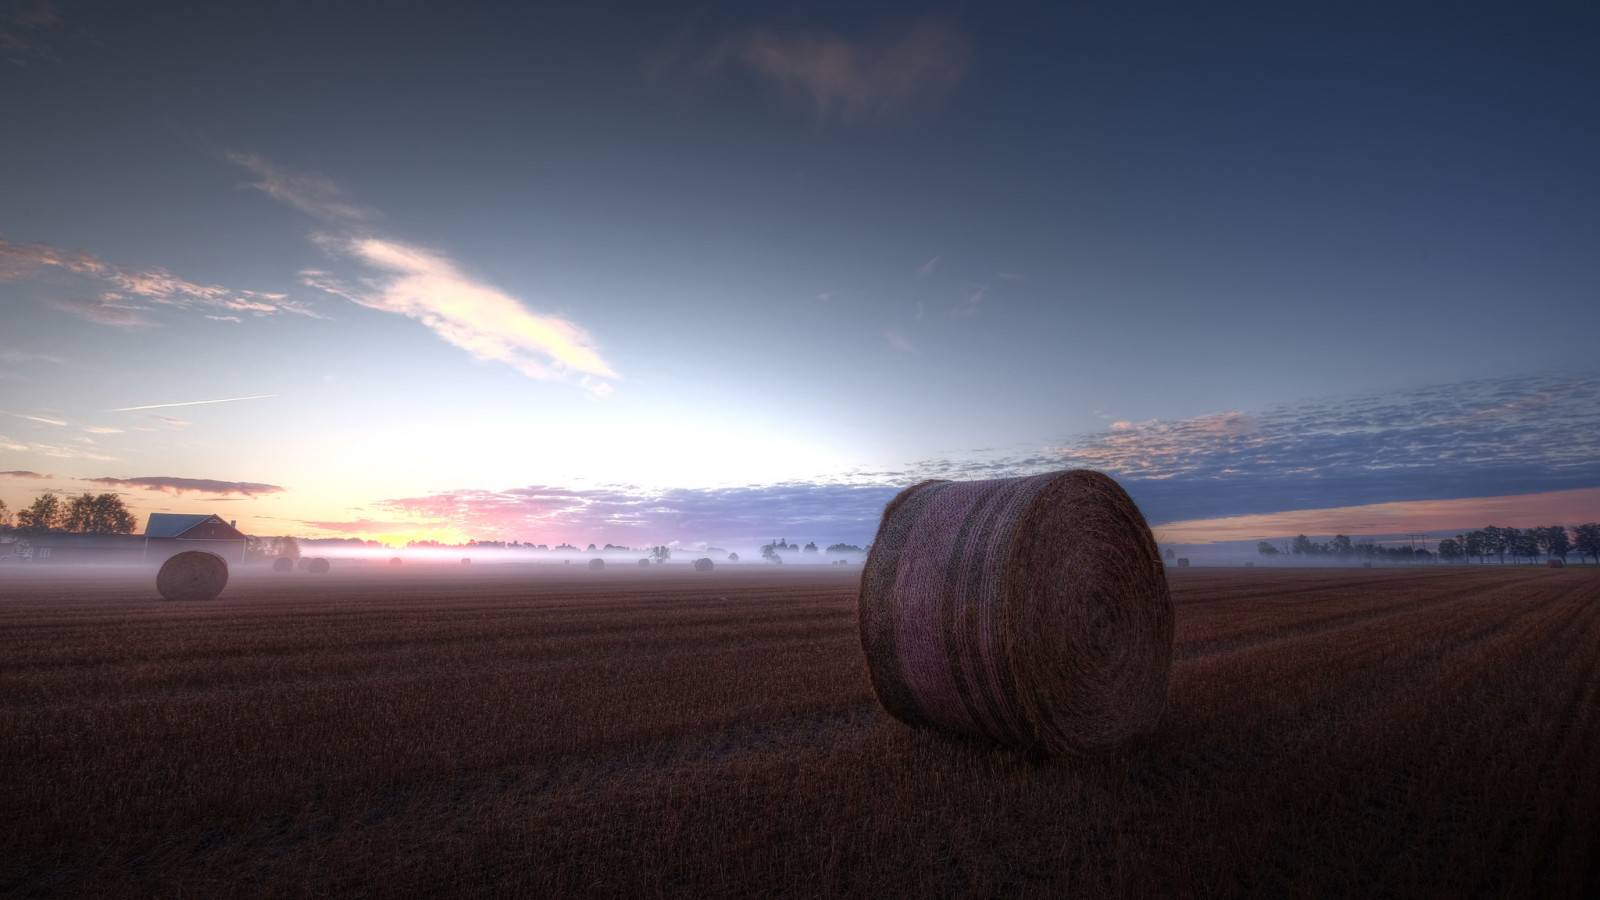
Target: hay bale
{"x": 645, "y": 561}
{"x": 319, "y": 566}
{"x": 1249, "y": 565}
{"x": 466, "y": 561}
{"x": 597, "y": 564}
{"x": 1366, "y": 565}
{"x": 704, "y": 564}
{"x": 283, "y": 564}
{"x": 1033, "y": 612}
{"x": 395, "y": 561}
{"x": 1183, "y": 562}
{"x": 192, "y": 575}
{"x": 1557, "y": 563}
{"x": 303, "y": 563}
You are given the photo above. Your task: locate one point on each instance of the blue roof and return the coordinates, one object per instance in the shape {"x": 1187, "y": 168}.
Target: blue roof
{"x": 171, "y": 525}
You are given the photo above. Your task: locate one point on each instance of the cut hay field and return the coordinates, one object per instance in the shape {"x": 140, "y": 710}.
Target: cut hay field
{"x": 500, "y": 731}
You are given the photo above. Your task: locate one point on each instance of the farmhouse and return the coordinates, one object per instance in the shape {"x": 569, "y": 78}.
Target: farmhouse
{"x": 165, "y": 535}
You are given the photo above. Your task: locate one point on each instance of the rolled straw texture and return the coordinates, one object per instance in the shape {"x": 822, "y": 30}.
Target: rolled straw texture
{"x": 597, "y": 563}
{"x": 644, "y": 562}
{"x": 283, "y": 564}
{"x": 192, "y": 575}
{"x": 319, "y": 566}
{"x": 704, "y": 564}
{"x": 1033, "y": 612}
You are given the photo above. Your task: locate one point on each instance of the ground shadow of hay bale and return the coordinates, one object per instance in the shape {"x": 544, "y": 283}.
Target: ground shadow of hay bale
{"x": 597, "y": 564}
{"x": 319, "y": 566}
{"x": 704, "y": 564}
{"x": 1031, "y": 612}
{"x": 283, "y": 564}
{"x": 192, "y": 575}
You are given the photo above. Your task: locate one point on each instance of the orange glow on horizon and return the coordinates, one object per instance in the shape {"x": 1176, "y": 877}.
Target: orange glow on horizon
{"x": 1569, "y": 508}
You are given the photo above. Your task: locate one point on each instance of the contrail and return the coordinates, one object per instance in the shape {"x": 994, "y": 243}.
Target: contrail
{"x": 193, "y": 403}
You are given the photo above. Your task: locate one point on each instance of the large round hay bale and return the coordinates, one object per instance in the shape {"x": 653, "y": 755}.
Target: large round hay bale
{"x": 319, "y": 566}
{"x": 395, "y": 561}
{"x": 704, "y": 564}
{"x": 597, "y": 563}
{"x": 192, "y": 575}
{"x": 466, "y": 560}
{"x": 645, "y": 561}
{"x": 283, "y": 564}
{"x": 1033, "y": 612}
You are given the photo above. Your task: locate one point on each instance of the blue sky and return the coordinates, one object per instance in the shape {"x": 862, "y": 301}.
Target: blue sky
{"x": 642, "y": 273}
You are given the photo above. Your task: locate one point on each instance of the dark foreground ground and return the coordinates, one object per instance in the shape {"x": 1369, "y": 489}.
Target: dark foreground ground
{"x": 537, "y": 732}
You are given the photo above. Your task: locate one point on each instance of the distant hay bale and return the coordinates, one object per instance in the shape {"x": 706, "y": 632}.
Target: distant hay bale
{"x": 319, "y": 566}
{"x": 192, "y": 575}
{"x": 1557, "y": 563}
{"x": 1183, "y": 562}
{"x": 283, "y": 564}
{"x": 704, "y": 564}
{"x": 395, "y": 561}
{"x": 597, "y": 564}
{"x": 1249, "y": 565}
{"x": 1033, "y": 612}
{"x": 645, "y": 561}
{"x": 466, "y": 561}
{"x": 1366, "y": 565}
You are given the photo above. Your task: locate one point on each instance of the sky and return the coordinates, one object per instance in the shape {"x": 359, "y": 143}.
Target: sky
{"x": 689, "y": 273}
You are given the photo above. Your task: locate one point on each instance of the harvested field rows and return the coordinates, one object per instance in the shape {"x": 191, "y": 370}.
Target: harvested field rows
{"x": 534, "y": 731}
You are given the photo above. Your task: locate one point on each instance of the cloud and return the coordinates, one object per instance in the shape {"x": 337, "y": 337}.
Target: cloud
{"x": 630, "y": 515}
{"x": 850, "y": 80}
{"x": 150, "y": 285}
{"x": 23, "y": 473}
{"x": 23, "y": 32}
{"x": 928, "y": 268}
{"x": 192, "y": 403}
{"x": 479, "y": 318}
{"x": 313, "y": 194}
{"x": 171, "y": 485}
{"x": 899, "y": 341}
{"x": 432, "y": 288}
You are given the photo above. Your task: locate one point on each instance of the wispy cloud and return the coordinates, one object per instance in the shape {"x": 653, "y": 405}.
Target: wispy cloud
{"x": 627, "y": 515}
{"x": 313, "y": 194}
{"x": 928, "y": 268}
{"x": 431, "y": 287}
{"x": 170, "y": 485}
{"x": 475, "y": 316}
{"x": 851, "y": 80}
{"x": 192, "y": 403}
{"x": 128, "y": 291}
{"x": 899, "y": 341}
{"x": 26, "y": 30}
{"x": 23, "y": 473}
{"x": 47, "y": 420}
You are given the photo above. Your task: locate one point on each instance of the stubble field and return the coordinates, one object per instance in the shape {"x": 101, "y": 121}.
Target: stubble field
{"x": 551, "y": 732}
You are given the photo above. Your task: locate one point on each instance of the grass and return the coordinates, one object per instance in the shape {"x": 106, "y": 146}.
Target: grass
{"x": 538, "y": 732}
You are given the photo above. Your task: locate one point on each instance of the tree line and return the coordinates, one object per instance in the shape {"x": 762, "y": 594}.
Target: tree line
{"x": 1550, "y": 541}
{"x": 88, "y": 514}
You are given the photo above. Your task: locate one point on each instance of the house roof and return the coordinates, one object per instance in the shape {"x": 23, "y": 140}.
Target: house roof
{"x": 172, "y": 525}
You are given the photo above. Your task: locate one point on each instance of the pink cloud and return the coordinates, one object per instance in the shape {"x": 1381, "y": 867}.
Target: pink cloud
{"x": 171, "y": 485}
{"x": 852, "y": 80}
{"x": 1431, "y": 516}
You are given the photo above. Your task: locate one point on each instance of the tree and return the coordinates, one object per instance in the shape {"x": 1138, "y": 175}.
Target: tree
{"x": 1553, "y": 541}
{"x": 1588, "y": 540}
{"x": 1303, "y": 546}
{"x": 1473, "y": 544}
{"x": 1341, "y": 546}
{"x": 42, "y": 516}
{"x": 98, "y": 514}
{"x": 770, "y": 554}
{"x": 811, "y": 547}
{"x": 286, "y": 546}
{"x": 1450, "y": 549}
{"x": 733, "y": 557}
{"x": 5, "y": 516}
{"x": 1526, "y": 543}
{"x": 1499, "y": 541}
{"x": 1266, "y": 549}
{"x": 660, "y": 554}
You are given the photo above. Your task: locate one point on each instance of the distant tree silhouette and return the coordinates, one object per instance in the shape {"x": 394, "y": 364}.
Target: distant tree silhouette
{"x": 286, "y": 547}
{"x": 1587, "y": 542}
{"x": 811, "y": 547}
{"x": 733, "y": 557}
{"x": 1553, "y": 541}
{"x": 42, "y": 516}
{"x": 98, "y": 514}
{"x": 1473, "y": 544}
{"x": 5, "y": 516}
{"x": 1450, "y": 549}
{"x": 660, "y": 554}
{"x": 1264, "y": 548}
